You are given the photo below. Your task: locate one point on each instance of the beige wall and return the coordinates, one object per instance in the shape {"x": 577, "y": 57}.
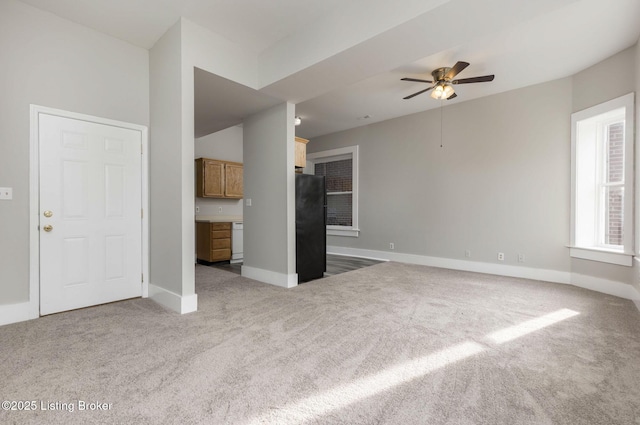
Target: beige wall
{"x": 270, "y": 147}
{"x": 165, "y": 163}
{"x": 500, "y": 183}
{"x": 635, "y": 277}
{"x": 55, "y": 63}
{"x": 611, "y": 78}
{"x": 269, "y": 223}
{"x": 171, "y": 169}
{"x": 225, "y": 145}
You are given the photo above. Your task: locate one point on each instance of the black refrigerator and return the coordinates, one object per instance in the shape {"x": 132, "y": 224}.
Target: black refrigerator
{"x": 311, "y": 230}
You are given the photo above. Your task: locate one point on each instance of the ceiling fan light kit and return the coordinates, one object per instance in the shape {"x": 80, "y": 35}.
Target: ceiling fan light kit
{"x": 443, "y": 80}
{"x": 442, "y": 91}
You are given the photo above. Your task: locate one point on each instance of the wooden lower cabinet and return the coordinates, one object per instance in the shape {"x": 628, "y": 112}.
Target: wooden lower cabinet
{"x": 213, "y": 241}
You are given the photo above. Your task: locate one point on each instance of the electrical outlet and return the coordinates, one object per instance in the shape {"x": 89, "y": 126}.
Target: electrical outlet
{"x": 219, "y": 209}
{"x": 501, "y": 256}
{"x": 467, "y": 253}
{"x": 247, "y": 202}
{"x": 392, "y": 246}
{"x": 197, "y": 209}
{"x": 6, "y": 193}
{"x": 520, "y": 258}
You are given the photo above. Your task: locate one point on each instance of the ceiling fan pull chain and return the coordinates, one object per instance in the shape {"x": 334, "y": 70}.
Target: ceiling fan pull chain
{"x": 441, "y": 102}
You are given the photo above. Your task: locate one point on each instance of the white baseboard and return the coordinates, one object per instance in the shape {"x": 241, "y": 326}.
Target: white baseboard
{"x": 14, "y": 313}
{"x": 180, "y": 304}
{"x": 450, "y": 263}
{"x": 270, "y": 277}
{"x": 20, "y": 312}
{"x": 605, "y": 286}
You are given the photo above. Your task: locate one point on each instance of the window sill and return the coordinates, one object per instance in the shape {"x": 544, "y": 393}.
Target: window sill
{"x": 354, "y": 233}
{"x": 602, "y": 255}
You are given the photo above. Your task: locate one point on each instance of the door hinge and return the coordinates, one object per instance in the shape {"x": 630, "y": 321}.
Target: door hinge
{"x": 142, "y": 277}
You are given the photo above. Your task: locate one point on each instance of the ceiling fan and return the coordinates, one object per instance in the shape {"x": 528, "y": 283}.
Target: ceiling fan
{"x": 443, "y": 81}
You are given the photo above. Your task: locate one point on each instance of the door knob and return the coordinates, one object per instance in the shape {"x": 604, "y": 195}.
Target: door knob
{"x": 48, "y": 214}
{"x": 48, "y": 228}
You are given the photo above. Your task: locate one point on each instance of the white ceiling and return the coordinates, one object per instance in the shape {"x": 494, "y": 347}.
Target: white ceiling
{"x": 346, "y": 58}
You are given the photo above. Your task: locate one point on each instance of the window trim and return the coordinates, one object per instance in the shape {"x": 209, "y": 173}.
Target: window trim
{"x": 596, "y": 252}
{"x": 602, "y": 141}
{"x": 349, "y": 152}
{"x": 602, "y": 255}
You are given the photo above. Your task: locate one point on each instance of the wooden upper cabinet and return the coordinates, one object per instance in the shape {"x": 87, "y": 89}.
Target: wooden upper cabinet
{"x": 301, "y": 152}
{"x": 233, "y": 180}
{"x": 209, "y": 178}
{"x": 218, "y": 179}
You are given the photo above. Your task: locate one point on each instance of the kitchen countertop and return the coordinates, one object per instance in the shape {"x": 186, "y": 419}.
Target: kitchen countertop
{"x": 219, "y": 218}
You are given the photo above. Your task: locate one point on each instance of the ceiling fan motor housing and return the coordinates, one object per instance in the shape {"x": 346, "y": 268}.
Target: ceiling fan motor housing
{"x": 439, "y": 74}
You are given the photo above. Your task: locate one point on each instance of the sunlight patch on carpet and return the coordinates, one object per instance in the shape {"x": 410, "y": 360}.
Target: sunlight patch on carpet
{"x": 533, "y": 325}
{"x": 343, "y": 395}
{"x": 315, "y": 406}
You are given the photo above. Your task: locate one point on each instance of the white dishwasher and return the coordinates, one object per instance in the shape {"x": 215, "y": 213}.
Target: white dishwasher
{"x": 236, "y": 242}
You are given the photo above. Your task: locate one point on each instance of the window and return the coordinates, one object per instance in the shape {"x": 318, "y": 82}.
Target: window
{"x": 340, "y": 168}
{"x": 602, "y": 182}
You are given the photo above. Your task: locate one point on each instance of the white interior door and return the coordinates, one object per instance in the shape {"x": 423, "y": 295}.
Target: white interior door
{"x": 90, "y": 213}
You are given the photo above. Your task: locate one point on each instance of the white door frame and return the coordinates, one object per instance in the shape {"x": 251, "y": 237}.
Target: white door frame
{"x": 34, "y": 198}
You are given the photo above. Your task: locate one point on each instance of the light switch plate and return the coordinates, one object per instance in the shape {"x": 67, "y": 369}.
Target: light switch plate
{"x": 6, "y": 193}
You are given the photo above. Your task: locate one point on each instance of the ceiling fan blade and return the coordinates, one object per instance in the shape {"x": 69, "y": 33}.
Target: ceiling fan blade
{"x": 457, "y": 68}
{"x": 417, "y": 80}
{"x": 417, "y": 93}
{"x": 452, "y": 96}
{"x": 482, "y": 79}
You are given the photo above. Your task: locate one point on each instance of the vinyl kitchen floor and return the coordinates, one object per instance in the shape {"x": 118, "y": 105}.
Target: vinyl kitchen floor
{"x": 336, "y": 264}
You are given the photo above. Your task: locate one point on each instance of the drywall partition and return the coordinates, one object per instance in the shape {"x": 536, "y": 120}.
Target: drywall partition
{"x": 200, "y": 48}
{"x": 173, "y": 59}
{"x": 635, "y": 276}
{"x": 499, "y": 183}
{"x": 268, "y": 157}
{"x": 269, "y": 194}
{"x": 59, "y": 64}
{"x": 209, "y": 51}
{"x": 171, "y": 280}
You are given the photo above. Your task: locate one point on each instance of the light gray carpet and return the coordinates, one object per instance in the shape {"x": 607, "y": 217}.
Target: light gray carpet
{"x": 388, "y": 344}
